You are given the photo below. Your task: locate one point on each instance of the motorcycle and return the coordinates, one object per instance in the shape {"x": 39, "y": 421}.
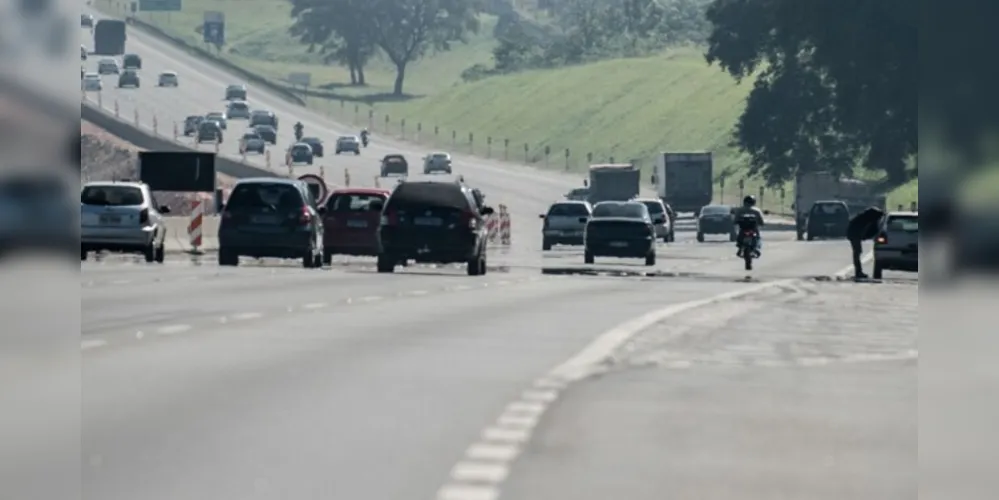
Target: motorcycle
{"x": 749, "y": 248}
{"x": 364, "y": 140}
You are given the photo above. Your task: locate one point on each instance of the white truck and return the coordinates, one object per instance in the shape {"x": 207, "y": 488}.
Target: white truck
{"x": 684, "y": 180}
{"x": 810, "y": 187}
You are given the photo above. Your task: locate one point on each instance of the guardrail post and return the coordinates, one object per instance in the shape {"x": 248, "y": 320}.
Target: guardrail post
{"x": 454, "y": 138}
{"x": 742, "y": 188}
{"x": 100, "y": 99}
{"x": 116, "y": 114}
{"x": 155, "y": 125}
{"x": 346, "y": 177}
{"x": 548, "y": 154}
{"x": 322, "y": 172}
{"x": 506, "y": 149}
{"x": 175, "y": 134}
{"x": 402, "y": 128}
{"x": 267, "y": 158}
{"x": 566, "y": 159}
{"x": 526, "y": 149}
{"x": 589, "y": 158}
{"x": 489, "y": 147}
{"x": 136, "y": 117}
{"x": 471, "y": 143}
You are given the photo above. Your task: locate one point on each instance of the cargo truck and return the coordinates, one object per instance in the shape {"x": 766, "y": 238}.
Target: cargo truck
{"x": 811, "y": 187}
{"x": 109, "y": 37}
{"x": 684, "y": 180}
{"x": 614, "y": 182}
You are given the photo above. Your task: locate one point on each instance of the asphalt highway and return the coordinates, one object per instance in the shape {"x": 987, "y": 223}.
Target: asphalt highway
{"x": 272, "y": 381}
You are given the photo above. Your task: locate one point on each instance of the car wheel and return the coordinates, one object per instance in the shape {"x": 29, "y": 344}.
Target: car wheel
{"x": 700, "y": 237}
{"x": 732, "y": 236}
{"x": 150, "y": 253}
{"x": 309, "y": 259}
{"x": 327, "y": 257}
{"x": 161, "y": 253}
{"x": 475, "y": 265}
{"x": 546, "y": 245}
{"x": 385, "y": 264}
{"x": 228, "y": 258}
{"x": 356, "y": 153}
{"x": 810, "y": 237}
{"x": 587, "y": 257}
{"x": 878, "y": 271}
{"x": 318, "y": 261}
{"x": 650, "y": 259}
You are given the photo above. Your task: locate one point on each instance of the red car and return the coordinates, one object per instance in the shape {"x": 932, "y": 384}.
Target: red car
{"x": 351, "y": 226}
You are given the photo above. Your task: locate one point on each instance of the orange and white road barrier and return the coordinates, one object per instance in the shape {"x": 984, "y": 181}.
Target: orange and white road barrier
{"x": 377, "y": 183}
{"x": 116, "y": 109}
{"x": 195, "y": 225}
{"x": 492, "y": 227}
{"x": 504, "y": 225}
{"x": 346, "y": 177}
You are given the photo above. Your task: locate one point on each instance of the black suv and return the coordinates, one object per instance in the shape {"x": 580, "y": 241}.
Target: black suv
{"x": 433, "y": 222}
{"x": 128, "y": 78}
{"x": 131, "y": 61}
{"x": 208, "y": 131}
{"x": 271, "y": 217}
{"x": 394, "y": 165}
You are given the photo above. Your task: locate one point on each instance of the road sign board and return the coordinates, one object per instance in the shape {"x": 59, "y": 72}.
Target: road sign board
{"x": 213, "y": 28}
{"x": 317, "y": 185}
{"x": 159, "y": 5}
{"x": 300, "y": 79}
{"x": 184, "y": 171}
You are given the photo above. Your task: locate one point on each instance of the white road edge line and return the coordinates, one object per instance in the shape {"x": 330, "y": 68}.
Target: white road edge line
{"x": 503, "y": 442}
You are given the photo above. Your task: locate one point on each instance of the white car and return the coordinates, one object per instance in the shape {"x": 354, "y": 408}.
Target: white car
{"x": 168, "y": 79}
{"x": 660, "y": 218}
{"x": 108, "y": 67}
{"x": 121, "y": 217}
{"x": 92, "y": 82}
{"x": 237, "y": 110}
{"x": 896, "y": 247}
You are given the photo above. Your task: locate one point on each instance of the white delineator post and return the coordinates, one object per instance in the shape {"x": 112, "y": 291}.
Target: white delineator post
{"x": 504, "y": 223}
{"x": 195, "y": 225}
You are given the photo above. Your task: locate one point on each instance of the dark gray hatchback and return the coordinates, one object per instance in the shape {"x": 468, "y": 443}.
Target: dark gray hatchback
{"x": 271, "y": 217}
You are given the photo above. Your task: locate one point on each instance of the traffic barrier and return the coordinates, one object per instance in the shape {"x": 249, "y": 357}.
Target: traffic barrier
{"x": 116, "y": 114}
{"x": 322, "y": 173}
{"x": 377, "y": 184}
{"x": 175, "y": 134}
{"x": 136, "y": 117}
{"x": 194, "y": 227}
{"x": 492, "y": 227}
{"x": 100, "y": 99}
{"x": 346, "y": 177}
{"x": 504, "y": 225}
{"x": 267, "y": 158}
{"x": 155, "y": 125}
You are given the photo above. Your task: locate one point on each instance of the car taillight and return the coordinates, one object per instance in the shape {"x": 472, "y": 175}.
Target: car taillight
{"x": 144, "y": 216}
{"x": 305, "y": 217}
{"x": 390, "y": 219}
{"x": 881, "y": 239}
{"x": 472, "y": 220}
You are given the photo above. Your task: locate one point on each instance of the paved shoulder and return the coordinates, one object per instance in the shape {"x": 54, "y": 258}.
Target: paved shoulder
{"x": 803, "y": 391}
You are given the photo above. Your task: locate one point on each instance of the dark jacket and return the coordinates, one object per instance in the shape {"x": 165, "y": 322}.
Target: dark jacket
{"x": 864, "y": 226}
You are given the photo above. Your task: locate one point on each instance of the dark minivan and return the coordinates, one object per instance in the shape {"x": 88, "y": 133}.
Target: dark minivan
{"x": 271, "y": 217}
{"x": 828, "y": 219}
{"x": 433, "y": 222}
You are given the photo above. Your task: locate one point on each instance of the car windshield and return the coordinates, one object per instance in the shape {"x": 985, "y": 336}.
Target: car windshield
{"x": 300, "y": 147}
{"x": 251, "y": 135}
{"x": 716, "y": 210}
{"x": 214, "y": 115}
{"x": 311, "y": 140}
{"x": 111, "y": 196}
{"x": 264, "y": 195}
{"x": 654, "y": 207}
{"x": 237, "y": 105}
{"x": 352, "y": 202}
{"x": 440, "y": 156}
{"x": 829, "y": 209}
{"x": 235, "y": 88}
{"x": 568, "y": 209}
{"x": 346, "y": 139}
{"x": 615, "y": 209}
{"x": 903, "y": 223}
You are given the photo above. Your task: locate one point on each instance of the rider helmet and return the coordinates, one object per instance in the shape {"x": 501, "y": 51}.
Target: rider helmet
{"x": 749, "y": 200}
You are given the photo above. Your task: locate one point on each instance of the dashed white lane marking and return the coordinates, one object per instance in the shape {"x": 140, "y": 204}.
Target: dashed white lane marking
{"x": 370, "y": 298}
{"x": 486, "y": 464}
{"x": 419, "y": 292}
{"x": 315, "y": 305}
{"x": 173, "y": 329}
{"x": 246, "y": 316}
{"x": 92, "y": 344}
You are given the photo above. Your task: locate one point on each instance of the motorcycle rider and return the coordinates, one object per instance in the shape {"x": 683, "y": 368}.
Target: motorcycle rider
{"x": 364, "y": 136}
{"x": 298, "y": 130}
{"x": 749, "y": 218}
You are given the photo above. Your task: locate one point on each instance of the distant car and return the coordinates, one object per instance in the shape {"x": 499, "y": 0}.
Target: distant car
{"x": 220, "y": 117}
{"x": 394, "y": 164}
{"x": 716, "y": 219}
{"x": 300, "y": 152}
{"x": 897, "y": 246}
{"x": 83, "y": 53}
{"x": 237, "y": 110}
{"x": 827, "y": 219}
{"x": 208, "y": 131}
{"x": 316, "y": 144}
{"x": 86, "y": 21}
{"x": 128, "y": 78}
{"x": 108, "y": 66}
{"x": 660, "y": 218}
{"x": 267, "y": 133}
{"x": 191, "y": 124}
{"x": 620, "y": 229}
{"x": 235, "y": 93}
{"x": 351, "y": 222}
{"x": 578, "y": 194}
{"x": 271, "y": 217}
{"x": 348, "y": 144}
{"x": 121, "y": 217}
{"x": 252, "y": 142}
{"x": 437, "y": 162}
{"x": 92, "y": 82}
{"x": 564, "y": 223}
{"x": 168, "y": 79}
{"x": 131, "y": 61}
{"x": 438, "y": 222}
{"x": 263, "y": 117}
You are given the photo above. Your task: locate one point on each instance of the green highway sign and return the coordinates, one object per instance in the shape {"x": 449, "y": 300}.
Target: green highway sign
{"x": 159, "y": 5}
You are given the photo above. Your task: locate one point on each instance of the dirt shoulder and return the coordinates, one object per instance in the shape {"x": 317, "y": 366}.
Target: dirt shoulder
{"x": 105, "y": 156}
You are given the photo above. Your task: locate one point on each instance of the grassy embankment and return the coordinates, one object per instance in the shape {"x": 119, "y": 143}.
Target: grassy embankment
{"x": 627, "y": 109}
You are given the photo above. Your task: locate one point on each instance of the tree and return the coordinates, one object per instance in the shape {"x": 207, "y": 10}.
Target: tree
{"x": 338, "y": 29}
{"x": 406, "y": 29}
{"x": 836, "y": 82}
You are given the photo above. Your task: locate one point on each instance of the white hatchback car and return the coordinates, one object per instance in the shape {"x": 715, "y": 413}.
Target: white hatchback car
{"x": 92, "y": 82}
{"x": 168, "y": 79}
{"x": 660, "y": 218}
{"x": 123, "y": 217}
{"x": 897, "y": 245}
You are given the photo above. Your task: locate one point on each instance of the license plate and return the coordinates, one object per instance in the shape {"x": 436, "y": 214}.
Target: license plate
{"x": 619, "y": 244}
{"x": 357, "y": 223}
{"x": 264, "y": 219}
{"x": 110, "y": 219}
{"x": 428, "y": 221}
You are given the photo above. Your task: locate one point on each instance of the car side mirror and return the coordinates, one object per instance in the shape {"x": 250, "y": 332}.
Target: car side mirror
{"x": 541, "y": 216}
{"x": 584, "y": 220}
{"x": 487, "y": 211}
